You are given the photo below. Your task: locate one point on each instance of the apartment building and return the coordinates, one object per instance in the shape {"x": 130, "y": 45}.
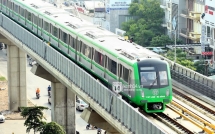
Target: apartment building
{"x": 187, "y": 14}
{"x": 208, "y": 29}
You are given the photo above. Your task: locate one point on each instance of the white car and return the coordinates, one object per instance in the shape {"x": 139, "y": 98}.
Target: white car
{"x": 2, "y": 118}
{"x": 80, "y": 105}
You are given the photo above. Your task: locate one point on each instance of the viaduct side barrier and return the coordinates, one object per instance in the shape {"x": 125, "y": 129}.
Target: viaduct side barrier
{"x": 192, "y": 79}
{"x": 126, "y": 118}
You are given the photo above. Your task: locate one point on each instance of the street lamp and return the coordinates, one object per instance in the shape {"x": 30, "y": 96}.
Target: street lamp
{"x": 174, "y": 27}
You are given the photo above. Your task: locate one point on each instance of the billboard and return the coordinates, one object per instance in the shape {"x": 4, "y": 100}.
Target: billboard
{"x": 116, "y": 5}
{"x": 210, "y": 13}
{"x": 119, "y": 4}
{"x": 203, "y": 38}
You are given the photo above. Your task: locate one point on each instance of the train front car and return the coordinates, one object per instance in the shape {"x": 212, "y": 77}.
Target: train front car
{"x": 155, "y": 86}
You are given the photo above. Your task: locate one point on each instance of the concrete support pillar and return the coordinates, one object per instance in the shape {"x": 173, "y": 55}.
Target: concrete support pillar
{"x": 16, "y": 77}
{"x": 63, "y": 101}
{"x": 63, "y": 107}
{"x": 95, "y": 119}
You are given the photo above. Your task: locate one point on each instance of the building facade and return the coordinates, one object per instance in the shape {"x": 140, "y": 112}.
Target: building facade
{"x": 187, "y": 14}
{"x": 208, "y": 26}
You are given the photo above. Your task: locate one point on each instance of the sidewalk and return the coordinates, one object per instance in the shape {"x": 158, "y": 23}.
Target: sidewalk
{"x": 13, "y": 127}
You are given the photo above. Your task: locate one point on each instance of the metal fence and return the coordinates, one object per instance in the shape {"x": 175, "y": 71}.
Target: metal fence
{"x": 192, "y": 79}
{"x": 121, "y": 111}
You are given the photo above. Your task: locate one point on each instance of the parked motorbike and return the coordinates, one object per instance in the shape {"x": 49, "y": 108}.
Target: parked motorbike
{"x": 99, "y": 131}
{"x": 38, "y": 96}
{"x": 89, "y": 126}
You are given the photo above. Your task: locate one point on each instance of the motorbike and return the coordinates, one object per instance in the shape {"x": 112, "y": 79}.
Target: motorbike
{"x": 99, "y": 131}
{"x": 89, "y": 126}
{"x": 37, "y": 95}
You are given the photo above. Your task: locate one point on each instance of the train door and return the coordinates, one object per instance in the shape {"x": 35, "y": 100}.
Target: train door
{"x": 105, "y": 66}
{"x": 79, "y": 50}
{"x": 76, "y": 48}
{"x": 71, "y": 47}
{"x": 92, "y": 57}
{"x": 42, "y": 28}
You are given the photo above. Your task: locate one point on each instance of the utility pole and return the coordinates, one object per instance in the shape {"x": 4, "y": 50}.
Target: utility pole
{"x": 174, "y": 28}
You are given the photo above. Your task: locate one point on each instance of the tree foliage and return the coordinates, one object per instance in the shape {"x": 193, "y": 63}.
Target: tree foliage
{"x": 163, "y": 40}
{"x": 181, "y": 58}
{"x": 34, "y": 120}
{"x": 52, "y": 128}
{"x": 34, "y": 117}
{"x": 146, "y": 29}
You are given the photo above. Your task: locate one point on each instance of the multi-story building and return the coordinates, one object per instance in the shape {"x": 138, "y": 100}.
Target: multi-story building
{"x": 172, "y": 10}
{"x": 208, "y": 29}
{"x": 187, "y": 14}
{"x": 192, "y": 12}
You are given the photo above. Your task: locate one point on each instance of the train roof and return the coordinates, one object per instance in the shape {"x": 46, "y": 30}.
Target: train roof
{"x": 103, "y": 38}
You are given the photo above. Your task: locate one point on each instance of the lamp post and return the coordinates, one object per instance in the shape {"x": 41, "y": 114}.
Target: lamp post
{"x": 174, "y": 27}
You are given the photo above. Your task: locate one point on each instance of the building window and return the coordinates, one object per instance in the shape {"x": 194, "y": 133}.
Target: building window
{"x": 208, "y": 31}
{"x": 214, "y": 33}
{"x": 127, "y": 18}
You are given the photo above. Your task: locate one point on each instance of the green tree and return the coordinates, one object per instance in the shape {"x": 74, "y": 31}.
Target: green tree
{"x": 34, "y": 117}
{"x": 201, "y": 67}
{"x": 180, "y": 58}
{"x": 148, "y": 22}
{"x": 52, "y": 128}
{"x": 163, "y": 40}
{"x": 145, "y": 27}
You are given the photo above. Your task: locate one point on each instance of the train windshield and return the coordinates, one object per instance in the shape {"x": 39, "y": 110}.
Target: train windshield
{"x": 153, "y": 75}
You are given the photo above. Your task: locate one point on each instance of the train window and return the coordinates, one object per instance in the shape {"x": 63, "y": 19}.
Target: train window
{"x": 64, "y": 37}
{"x": 78, "y": 45}
{"x": 112, "y": 66}
{"x": 22, "y": 12}
{"x": 46, "y": 26}
{"x": 87, "y": 51}
{"x": 28, "y": 16}
{"x": 40, "y": 22}
{"x": 4, "y": 2}
{"x": 125, "y": 74}
{"x": 83, "y": 48}
{"x": 163, "y": 78}
{"x": 35, "y": 19}
{"x": 72, "y": 43}
{"x": 16, "y": 9}
{"x": 54, "y": 31}
{"x": 9, "y": 4}
{"x": 99, "y": 58}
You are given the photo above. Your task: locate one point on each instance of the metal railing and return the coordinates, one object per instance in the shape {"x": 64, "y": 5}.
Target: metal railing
{"x": 119, "y": 109}
{"x": 185, "y": 12}
{"x": 192, "y": 79}
{"x": 185, "y": 31}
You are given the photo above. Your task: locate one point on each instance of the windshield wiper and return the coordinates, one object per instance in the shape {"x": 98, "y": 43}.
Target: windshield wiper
{"x": 153, "y": 83}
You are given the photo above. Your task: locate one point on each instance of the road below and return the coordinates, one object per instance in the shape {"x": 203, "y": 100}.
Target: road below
{"x": 34, "y": 82}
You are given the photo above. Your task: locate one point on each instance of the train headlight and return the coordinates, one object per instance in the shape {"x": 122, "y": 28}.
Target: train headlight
{"x": 142, "y": 93}
{"x": 167, "y": 92}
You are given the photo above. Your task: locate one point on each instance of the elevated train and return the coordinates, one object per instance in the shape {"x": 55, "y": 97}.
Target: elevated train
{"x": 144, "y": 75}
